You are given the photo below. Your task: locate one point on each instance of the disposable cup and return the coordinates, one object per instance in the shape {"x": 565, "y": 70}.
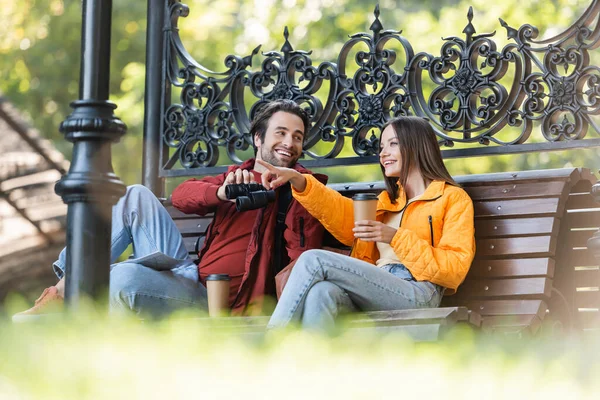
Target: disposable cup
{"x": 365, "y": 206}
{"x": 217, "y": 286}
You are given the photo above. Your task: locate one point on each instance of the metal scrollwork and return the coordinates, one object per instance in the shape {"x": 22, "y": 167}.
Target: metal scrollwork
{"x": 472, "y": 92}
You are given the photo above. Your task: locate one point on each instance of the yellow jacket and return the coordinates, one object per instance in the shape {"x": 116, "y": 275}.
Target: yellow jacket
{"x": 445, "y": 209}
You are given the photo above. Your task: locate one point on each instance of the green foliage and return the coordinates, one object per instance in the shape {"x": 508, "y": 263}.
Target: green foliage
{"x": 92, "y": 357}
{"x": 40, "y": 52}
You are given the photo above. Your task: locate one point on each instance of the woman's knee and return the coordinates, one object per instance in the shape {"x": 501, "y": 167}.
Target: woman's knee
{"x": 325, "y": 293}
{"x": 314, "y": 256}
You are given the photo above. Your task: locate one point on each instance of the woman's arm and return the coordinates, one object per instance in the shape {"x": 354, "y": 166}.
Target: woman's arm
{"x": 332, "y": 209}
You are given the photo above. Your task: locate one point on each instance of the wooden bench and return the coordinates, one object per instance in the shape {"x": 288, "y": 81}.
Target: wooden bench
{"x": 531, "y": 264}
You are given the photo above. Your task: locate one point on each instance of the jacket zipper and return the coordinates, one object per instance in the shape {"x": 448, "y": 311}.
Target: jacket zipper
{"x": 301, "y": 231}
{"x": 402, "y": 217}
{"x": 254, "y": 234}
{"x": 431, "y": 230}
{"x": 409, "y": 202}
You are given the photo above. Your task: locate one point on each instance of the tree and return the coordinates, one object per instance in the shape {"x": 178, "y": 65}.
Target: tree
{"x": 40, "y": 51}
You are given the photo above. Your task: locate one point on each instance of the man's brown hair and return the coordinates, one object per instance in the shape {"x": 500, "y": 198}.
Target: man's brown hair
{"x": 261, "y": 121}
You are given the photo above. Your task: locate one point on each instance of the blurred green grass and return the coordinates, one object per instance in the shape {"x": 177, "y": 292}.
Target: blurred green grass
{"x": 91, "y": 356}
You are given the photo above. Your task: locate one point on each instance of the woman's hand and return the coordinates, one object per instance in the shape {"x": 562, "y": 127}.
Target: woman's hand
{"x": 274, "y": 177}
{"x": 373, "y": 231}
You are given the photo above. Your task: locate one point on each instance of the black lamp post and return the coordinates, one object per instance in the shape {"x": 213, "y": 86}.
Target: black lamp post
{"x": 91, "y": 188}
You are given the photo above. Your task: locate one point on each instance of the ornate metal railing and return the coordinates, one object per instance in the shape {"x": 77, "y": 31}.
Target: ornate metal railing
{"x": 480, "y": 98}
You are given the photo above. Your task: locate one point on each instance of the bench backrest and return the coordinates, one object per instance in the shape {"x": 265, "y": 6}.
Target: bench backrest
{"x": 531, "y": 231}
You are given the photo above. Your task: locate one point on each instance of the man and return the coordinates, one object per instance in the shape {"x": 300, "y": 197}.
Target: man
{"x": 240, "y": 244}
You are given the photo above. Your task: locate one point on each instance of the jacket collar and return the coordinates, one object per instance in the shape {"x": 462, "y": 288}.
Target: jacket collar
{"x": 432, "y": 192}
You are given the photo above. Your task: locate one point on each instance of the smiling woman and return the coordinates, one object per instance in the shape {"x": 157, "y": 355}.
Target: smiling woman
{"x": 420, "y": 245}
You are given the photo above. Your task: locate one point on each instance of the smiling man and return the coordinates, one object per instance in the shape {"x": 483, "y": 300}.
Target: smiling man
{"x": 283, "y": 146}
{"x": 241, "y": 244}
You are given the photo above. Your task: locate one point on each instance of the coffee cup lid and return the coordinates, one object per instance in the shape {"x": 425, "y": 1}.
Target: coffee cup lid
{"x": 218, "y": 277}
{"x": 364, "y": 196}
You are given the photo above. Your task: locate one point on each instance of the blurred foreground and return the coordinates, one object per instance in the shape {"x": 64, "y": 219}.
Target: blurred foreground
{"x": 94, "y": 357}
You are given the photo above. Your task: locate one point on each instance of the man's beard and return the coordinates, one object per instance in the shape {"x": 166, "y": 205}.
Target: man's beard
{"x": 271, "y": 157}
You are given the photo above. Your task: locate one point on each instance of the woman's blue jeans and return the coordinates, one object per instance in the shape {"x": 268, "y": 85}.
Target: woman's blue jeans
{"x": 323, "y": 283}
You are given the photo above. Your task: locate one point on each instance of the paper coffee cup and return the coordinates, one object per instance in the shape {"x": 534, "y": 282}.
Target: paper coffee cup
{"x": 217, "y": 286}
{"x": 365, "y": 206}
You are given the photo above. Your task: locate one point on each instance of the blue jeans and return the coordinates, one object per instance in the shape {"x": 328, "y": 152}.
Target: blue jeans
{"x": 141, "y": 220}
{"x": 322, "y": 283}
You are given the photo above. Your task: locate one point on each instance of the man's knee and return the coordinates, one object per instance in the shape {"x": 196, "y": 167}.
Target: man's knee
{"x": 125, "y": 279}
{"x": 138, "y": 190}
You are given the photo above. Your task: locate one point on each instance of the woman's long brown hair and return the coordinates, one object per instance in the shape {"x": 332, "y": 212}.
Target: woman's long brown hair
{"x": 419, "y": 149}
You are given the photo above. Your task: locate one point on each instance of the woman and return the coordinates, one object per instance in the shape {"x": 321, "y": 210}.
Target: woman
{"x": 421, "y": 244}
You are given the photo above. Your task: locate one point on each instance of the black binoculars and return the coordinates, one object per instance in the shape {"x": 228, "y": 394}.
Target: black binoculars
{"x": 249, "y": 196}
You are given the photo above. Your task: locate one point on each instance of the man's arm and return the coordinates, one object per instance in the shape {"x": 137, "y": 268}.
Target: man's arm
{"x": 201, "y": 196}
{"x": 198, "y": 196}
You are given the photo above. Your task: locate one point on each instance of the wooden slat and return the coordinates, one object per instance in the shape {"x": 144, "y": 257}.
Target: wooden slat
{"x": 517, "y": 176}
{"x": 589, "y": 299}
{"x": 581, "y": 258}
{"x": 519, "y": 190}
{"x": 531, "y": 246}
{"x": 587, "y": 278}
{"x": 516, "y": 227}
{"x": 524, "y": 288}
{"x": 528, "y": 207}
{"x": 581, "y": 201}
{"x": 474, "y": 180}
{"x": 399, "y": 317}
{"x": 512, "y": 268}
{"x": 586, "y": 219}
{"x": 507, "y": 307}
{"x": 176, "y": 214}
{"x": 530, "y": 322}
{"x": 577, "y": 238}
{"x": 190, "y": 243}
{"x": 589, "y": 320}
{"x": 582, "y": 186}
{"x": 191, "y": 226}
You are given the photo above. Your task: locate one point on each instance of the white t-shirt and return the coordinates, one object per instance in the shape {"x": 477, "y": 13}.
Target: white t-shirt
{"x": 386, "y": 252}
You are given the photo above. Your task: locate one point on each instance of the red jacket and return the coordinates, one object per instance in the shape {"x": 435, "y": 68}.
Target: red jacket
{"x": 304, "y": 232}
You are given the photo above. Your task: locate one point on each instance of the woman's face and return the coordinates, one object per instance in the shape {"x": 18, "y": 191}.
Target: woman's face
{"x": 389, "y": 154}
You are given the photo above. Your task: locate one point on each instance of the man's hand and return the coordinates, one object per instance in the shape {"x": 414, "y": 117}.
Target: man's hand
{"x": 239, "y": 176}
{"x": 274, "y": 177}
{"x": 373, "y": 231}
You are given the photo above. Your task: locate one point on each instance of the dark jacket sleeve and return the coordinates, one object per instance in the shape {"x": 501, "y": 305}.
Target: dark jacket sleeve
{"x": 198, "y": 196}
{"x": 304, "y": 232}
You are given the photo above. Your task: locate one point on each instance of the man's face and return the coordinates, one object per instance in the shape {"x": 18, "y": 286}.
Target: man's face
{"x": 283, "y": 140}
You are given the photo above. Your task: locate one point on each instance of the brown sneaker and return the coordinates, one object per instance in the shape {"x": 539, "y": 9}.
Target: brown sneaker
{"x": 50, "y": 302}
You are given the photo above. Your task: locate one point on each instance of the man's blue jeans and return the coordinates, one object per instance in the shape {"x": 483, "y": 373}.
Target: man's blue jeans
{"x": 140, "y": 219}
{"x": 322, "y": 283}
